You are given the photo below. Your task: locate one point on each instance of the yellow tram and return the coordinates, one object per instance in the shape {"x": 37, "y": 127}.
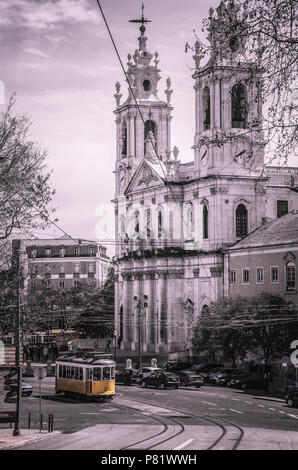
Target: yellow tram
{"x": 85, "y": 374}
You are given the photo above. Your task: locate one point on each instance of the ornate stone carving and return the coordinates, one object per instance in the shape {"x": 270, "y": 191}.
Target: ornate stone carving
{"x": 216, "y": 271}
{"x": 196, "y": 272}
{"x": 218, "y": 190}
{"x": 147, "y": 177}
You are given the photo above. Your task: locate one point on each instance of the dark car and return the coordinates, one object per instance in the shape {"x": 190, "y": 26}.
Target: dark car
{"x": 161, "y": 379}
{"x": 190, "y": 377}
{"x": 173, "y": 366}
{"x": 244, "y": 380}
{"x": 205, "y": 368}
{"x": 145, "y": 371}
{"x": 210, "y": 377}
{"x": 292, "y": 397}
{"x": 224, "y": 376}
{"x": 127, "y": 376}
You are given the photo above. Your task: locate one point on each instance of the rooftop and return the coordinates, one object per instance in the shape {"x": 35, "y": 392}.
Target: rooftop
{"x": 281, "y": 231}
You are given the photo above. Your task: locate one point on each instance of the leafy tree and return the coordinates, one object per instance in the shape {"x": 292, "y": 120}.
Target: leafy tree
{"x": 262, "y": 33}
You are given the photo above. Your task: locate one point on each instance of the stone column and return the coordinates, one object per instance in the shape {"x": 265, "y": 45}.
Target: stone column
{"x": 131, "y": 136}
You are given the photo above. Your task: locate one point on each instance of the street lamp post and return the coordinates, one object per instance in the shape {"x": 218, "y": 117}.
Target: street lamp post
{"x": 141, "y": 307}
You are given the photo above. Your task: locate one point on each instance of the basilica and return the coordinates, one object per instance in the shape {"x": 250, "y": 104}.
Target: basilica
{"x": 176, "y": 221}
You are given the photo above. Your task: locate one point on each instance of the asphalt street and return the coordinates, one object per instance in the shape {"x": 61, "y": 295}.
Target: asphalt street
{"x": 148, "y": 418}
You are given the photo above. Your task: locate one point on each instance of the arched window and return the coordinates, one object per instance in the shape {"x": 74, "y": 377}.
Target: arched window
{"x": 241, "y": 221}
{"x": 290, "y": 276}
{"x": 137, "y": 223}
{"x": 150, "y": 136}
{"x": 205, "y": 221}
{"x": 159, "y": 224}
{"x": 206, "y": 108}
{"x": 147, "y": 85}
{"x": 239, "y": 106}
{"x": 189, "y": 220}
{"x": 124, "y": 139}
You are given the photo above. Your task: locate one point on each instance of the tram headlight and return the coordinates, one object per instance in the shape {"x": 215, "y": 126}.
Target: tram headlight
{"x": 106, "y": 389}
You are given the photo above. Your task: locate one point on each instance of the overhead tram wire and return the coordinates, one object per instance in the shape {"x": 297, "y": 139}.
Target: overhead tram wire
{"x": 142, "y": 117}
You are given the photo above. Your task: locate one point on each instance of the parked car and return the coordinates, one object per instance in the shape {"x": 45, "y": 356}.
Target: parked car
{"x": 224, "y": 376}
{"x": 145, "y": 371}
{"x": 244, "y": 380}
{"x": 204, "y": 368}
{"x": 173, "y": 366}
{"x": 127, "y": 376}
{"x": 292, "y": 397}
{"x": 161, "y": 379}
{"x": 11, "y": 396}
{"x": 210, "y": 377}
{"x": 190, "y": 377}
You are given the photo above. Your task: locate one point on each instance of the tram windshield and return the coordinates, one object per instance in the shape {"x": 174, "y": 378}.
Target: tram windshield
{"x": 103, "y": 373}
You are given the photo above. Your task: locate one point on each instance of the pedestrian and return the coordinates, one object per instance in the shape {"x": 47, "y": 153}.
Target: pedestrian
{"x": 45, "y": 353}
{"x": 108, "y": 345}
{"x": 267, "y": 380}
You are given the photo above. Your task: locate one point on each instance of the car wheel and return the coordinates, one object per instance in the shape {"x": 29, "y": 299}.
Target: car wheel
{"x": 143, "y": 384}
{"x": 163, "y": 386}
{"x": 243, "y": 386}
{"x": 290, "y": 402}
{"x": 177, "y": 386}
{"x": 198, "y": 386}
{"x": 228, "y": 384}
{"x": 183, "y": 384}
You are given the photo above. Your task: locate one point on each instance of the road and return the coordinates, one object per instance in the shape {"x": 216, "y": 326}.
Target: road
{"x": 185, "y": 419}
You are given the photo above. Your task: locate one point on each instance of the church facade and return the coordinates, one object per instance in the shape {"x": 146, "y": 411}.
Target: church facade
{"x": 174, "y": 221}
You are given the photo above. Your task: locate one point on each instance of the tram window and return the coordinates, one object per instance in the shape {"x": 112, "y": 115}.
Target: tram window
{"x": 64, "y": 372}
{"x": 68, "y": 372}
{"x": 89, "y": 374}
{"x": 112, "y": 372}
{"x": 81, "y": 373}
{"x": 97, "y": 373}
{"x": 72, "y": 373}
{"x": 76, "y": 373}
{"x": 106, "y": 373}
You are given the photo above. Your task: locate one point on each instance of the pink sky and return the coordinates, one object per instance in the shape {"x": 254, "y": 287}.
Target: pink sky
{"x": 58, "y": 58}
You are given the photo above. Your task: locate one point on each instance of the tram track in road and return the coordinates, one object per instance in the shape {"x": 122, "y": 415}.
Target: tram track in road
{"x": 230, "y": 432}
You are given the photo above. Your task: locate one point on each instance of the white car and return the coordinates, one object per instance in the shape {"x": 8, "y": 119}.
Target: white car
{"x": 146, "y": 371}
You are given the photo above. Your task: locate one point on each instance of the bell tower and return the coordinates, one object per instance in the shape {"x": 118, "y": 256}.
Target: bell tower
{"x": 143, "y": 120}
{"x": 228, "y": 136}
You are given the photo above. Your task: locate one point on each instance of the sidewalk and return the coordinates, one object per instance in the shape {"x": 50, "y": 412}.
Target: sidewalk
{"x": 8, "y": 441}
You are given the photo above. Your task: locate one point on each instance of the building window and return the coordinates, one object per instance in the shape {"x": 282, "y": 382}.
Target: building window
{"x": 241, "y": 221}
{"x": 48, "y": 252}
{"x": 76, "y": 283}
{"x": 282, "y": 208}
{"x": 159, "y": 224}
{"x": 33, "y": 252}
{"x": 61, "y": 271}
{"x": 150, "y": 137}
{"x": 205, "y": 221}
{"x": 137, "y": 223}
{"x": 124, "y": 139}
{"x": 206, "y": 108}
{"x": 274, "y": 274}
{"x": 76, "y": 251}
{"x": 62, "y": 284}
{"x": 62, "y": 252}
{"x": 239, "y": 106}
{"x": 33, "y": 286}
{"x": 148, "y": 223}
{"x": 76, "y": 270}
{"x": 232, "y": 277}
{"x": 260, "y": 275}
{"x": 147, "y": 85}
{"x": 290, "y": 276}
{"x": 91, "y": 270}
{"x": 245, "y": 276}
{"x": 91, "y": 251}
{"x": 33, "y": 271}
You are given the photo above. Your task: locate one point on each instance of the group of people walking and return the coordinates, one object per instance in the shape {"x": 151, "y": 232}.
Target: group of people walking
{"x": 41, "y": 352}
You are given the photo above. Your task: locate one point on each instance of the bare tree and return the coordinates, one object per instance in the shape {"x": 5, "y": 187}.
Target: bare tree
{"x": 25, "y": 190}
{"x": 264, "y": 34}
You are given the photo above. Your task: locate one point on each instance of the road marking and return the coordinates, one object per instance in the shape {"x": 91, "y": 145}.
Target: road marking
{"x": 208, "y": 403}
{"x": 222, "y": 396}
{"x": 235, "y": 399}
{"x": 262, "y": 406}
{"x": 283, "y": 412}
{"x": 236, "y": 411}
{"x": 273, "y": 409}
{"x": 184, "y": 444}
{"x": 249, "y": 402}
{"x": 293, "y": 416}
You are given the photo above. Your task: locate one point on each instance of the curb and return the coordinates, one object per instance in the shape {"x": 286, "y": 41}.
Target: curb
{"x": 25, "y": 441}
